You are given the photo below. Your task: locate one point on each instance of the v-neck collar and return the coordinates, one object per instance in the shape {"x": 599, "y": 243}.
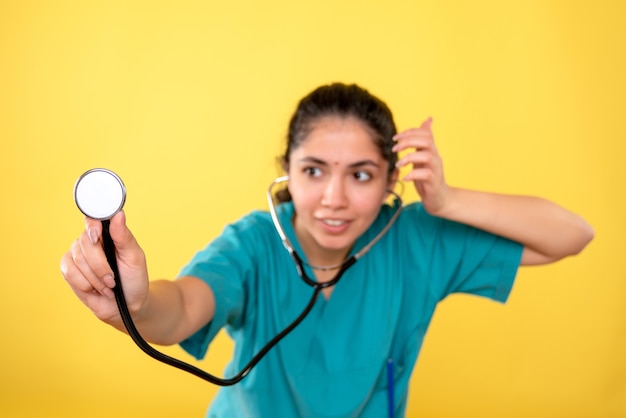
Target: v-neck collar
{"x": 285, "y": 212}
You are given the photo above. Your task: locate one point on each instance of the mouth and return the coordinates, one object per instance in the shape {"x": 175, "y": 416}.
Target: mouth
{"x": 334, "y": 226}
{"x": 334, "y": 222}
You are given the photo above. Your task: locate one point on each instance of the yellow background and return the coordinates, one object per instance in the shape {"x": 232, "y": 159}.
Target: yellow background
{"x": 189, "y": 100}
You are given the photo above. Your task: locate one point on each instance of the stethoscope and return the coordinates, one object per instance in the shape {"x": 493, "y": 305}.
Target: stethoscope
{"x": 100, "y": 194}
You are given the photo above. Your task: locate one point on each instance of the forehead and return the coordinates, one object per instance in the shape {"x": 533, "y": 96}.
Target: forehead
{"x": 340, "y": 137}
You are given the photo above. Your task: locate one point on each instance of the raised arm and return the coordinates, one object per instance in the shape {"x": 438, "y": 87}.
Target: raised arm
{"x": 547, "y": 231}
{"x": 165, "y": 312}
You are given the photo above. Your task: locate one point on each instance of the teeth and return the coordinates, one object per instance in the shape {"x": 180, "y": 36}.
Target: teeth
{"x": 333, "y": 222}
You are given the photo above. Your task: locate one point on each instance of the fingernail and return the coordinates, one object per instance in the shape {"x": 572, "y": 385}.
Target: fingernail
{"x": 109, "y": 280}
{"x": 93, "y": 235}
{"x": 108, "y": 293}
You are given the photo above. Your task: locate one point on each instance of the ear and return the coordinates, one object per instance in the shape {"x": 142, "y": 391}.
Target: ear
{"x": 391, "y": 184}
{"x": 393, "y": 179}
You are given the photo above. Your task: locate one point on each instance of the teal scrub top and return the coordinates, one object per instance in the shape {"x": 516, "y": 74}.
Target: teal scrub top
{"x": 334, "y": 364}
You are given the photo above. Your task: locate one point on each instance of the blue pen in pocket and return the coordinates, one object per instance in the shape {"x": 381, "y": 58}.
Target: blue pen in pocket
{"x": 390, "y": 394}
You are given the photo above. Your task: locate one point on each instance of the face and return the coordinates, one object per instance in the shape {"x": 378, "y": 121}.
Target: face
{"x": 338, "y": 180}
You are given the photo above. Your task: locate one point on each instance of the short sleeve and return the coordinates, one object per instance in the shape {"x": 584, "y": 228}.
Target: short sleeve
{"x": 225, "y": 265}
{"x": 477, "y": 262}
{"x": 451, "y": 257}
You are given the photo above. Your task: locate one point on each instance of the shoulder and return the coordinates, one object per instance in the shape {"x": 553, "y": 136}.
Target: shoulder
{"x": 416, "y": 229}
{"x": 413, "y": 230}
{"x": 412, "y": 219}
{"x": 255, "y": 222}
{"x": 240, "y": 243}
{"x": 415, "y": 218}
{"x": 261, "y": 220}
{"x": 414, "y": 212}
{"x": 255, "y": 219}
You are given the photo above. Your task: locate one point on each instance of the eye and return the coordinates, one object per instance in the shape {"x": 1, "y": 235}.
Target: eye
{"x": 362, "y": 176}
{"x": 312, "y": 171}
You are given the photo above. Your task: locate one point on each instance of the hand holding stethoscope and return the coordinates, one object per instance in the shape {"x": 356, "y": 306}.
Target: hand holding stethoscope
{"x": 100, "y": 195}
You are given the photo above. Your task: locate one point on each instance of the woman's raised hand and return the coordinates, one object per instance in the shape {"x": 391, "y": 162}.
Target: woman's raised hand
{"x": 426, "y": 165}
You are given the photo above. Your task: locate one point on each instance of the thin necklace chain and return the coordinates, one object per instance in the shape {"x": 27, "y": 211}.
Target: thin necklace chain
{"x": 325, "y": 268}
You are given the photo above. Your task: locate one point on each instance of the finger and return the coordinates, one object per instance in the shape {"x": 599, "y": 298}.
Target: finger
{"x": 413, "y": 132}
{"x": 75, "y": 273}
{"x": 94, "y": 229}
{"x": 416, "y": 142}
{"x": 121, "y": 235}
{"x": 415, "y": 139}
{"x": 428, "y": 123}
{"x": 92, "y": 262}
{"x": 416, "y": 159}
{"x": 125, "y": 243}
{"x": 422, "y": 174}
{"x": 101, "y": 282}
{"x": 424, "y": 129}
{"x": 72, "y": 274}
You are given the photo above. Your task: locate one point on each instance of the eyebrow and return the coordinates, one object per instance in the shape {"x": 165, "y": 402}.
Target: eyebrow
{"x": 357, "y": 164}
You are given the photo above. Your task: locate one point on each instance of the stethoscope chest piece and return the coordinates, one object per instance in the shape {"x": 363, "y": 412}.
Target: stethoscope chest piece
{"x": 99, "y": 194}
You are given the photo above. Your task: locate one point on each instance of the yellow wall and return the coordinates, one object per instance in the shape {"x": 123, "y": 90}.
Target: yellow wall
{"x": 188, "y": 101}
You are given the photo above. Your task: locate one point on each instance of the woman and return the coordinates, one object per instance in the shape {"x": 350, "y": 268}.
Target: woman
{"x": 341, "y": 159}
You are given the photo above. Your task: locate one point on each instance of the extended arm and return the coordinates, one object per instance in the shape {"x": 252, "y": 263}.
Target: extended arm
{"x": 165, "y": 312}
{"x": 173, "y": 310}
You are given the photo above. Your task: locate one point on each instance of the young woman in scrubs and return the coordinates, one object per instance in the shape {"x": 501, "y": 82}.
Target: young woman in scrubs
{"x": 341, "y": 159}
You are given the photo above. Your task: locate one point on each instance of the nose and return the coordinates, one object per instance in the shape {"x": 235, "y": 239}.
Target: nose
{"x": 334, "y": 196}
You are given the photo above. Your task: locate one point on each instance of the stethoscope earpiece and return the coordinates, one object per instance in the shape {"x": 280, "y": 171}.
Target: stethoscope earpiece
{"x": 99, "y": 194}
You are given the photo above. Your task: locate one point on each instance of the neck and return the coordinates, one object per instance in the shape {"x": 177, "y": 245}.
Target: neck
{"x": 317, "y": 257}
{"x": 322, "y": 259}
